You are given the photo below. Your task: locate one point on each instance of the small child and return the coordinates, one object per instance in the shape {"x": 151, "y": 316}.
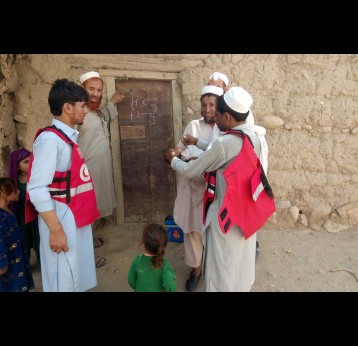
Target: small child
{"x": 150, "y": 271}
{"x": 18, "y": 169}
{"x": 15, "y": 273}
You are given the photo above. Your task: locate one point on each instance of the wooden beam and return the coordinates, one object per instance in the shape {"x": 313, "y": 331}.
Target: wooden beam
{"x": 139, "y": 74}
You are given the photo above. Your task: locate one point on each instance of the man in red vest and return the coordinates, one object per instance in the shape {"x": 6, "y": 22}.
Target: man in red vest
{"x": 61, "y": 190}
{"x": 222, "y": 81}
{"x": 241, "y": 202}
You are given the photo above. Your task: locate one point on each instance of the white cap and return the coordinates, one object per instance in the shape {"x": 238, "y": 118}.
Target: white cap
{"x": 219, "y": 75}
{"x": 238, "y": 99}
{"x": 211, "y": 89}
{"x": 88, "y": 75}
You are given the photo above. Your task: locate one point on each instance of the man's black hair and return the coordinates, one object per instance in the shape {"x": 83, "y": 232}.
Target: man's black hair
{"x": 222, "y": 107}
{"x": 65, "y": 91}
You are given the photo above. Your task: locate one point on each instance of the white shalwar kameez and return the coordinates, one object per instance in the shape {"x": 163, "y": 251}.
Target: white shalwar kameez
{"x": 229, "y": 260}
{"x": 72, "y": 271}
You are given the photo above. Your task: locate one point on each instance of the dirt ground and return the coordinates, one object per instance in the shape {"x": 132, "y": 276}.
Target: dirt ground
{"x": 289, "y": 261}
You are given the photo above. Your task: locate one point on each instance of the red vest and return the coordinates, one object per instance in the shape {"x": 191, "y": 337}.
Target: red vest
{"x": 209, "y": 193}
{"x": 73, "y": 187}
{"x": 248, "y": 201}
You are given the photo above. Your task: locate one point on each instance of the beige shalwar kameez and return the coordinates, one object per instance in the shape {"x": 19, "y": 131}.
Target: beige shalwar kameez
{"x": 94, "y": 142}
{"x": 188, "y": 207}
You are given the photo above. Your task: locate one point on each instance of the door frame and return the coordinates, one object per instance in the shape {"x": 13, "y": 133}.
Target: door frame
{"x": 110, "y": 76}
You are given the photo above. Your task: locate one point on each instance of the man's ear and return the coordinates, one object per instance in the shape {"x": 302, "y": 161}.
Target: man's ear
{"x": 66, "y": 107}
{"x": 227, "y": 115}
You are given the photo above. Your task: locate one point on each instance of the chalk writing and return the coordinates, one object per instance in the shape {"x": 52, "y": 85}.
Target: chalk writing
{"x": 139, "y": 108}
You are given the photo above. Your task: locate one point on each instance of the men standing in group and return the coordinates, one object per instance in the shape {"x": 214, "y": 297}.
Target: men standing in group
{"x": 94, "y": 141}
{"x": 229, "y": 250}
{"x": 60, "y": 188}
{"x": 221, "y": 80}
{"x": 189, "y": 201}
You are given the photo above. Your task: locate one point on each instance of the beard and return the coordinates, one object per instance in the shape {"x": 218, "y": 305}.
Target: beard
{"x": 209, "y": 119}
{"x": 94, "y": 105}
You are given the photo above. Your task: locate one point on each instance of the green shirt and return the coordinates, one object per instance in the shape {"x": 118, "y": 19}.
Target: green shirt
{"x": 143, "y": 278}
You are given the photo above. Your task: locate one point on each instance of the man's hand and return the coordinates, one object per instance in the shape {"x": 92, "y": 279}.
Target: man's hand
{"x": 58, "y": 238}
{"x": 58, "y": 241}
{"x": 189, "y": 140}
{"x": 117, "y": 98}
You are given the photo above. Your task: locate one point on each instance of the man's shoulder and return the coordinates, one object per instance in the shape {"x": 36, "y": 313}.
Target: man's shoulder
{"x": 196, "y": 123}
{"x": 48, "y": 135}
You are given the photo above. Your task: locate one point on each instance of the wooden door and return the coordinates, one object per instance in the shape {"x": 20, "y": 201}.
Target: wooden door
{"x": 146, "y": 131}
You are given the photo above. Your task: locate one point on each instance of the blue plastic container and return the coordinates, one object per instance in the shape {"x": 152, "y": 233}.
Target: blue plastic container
{"x": 175, "y": 233}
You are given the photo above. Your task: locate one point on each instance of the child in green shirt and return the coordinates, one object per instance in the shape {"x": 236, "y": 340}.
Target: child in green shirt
{"x": 150, "y": 271}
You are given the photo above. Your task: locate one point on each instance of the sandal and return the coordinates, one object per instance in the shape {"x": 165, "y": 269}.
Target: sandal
{"x": 100, "y": 262}
{"x": 97, "y": 242}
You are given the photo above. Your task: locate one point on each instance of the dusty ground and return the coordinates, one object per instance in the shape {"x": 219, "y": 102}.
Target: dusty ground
{"x": 289, "y": 261}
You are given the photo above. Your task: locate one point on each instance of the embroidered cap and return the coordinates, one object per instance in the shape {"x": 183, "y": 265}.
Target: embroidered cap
{"x": 211, "y": 89}
{"x": 89, "y": 75}
{"x": 219, "y": 75}
{"x": 238, "y": 99}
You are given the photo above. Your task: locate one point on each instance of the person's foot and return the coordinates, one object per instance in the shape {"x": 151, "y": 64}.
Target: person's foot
{"x": 97, "y": 242}
{"x": 192, "y": 282}
{"x": 100, "y": 262}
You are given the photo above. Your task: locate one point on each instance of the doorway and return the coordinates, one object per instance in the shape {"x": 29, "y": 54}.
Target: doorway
{"x": 148, "y": 123}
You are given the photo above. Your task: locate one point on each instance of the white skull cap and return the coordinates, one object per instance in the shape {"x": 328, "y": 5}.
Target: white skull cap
{"x": 89, "y": 75}
{"x": 211, "y": 89}
{"x": 219, "y": 75}
{"x": 238, "y": 99}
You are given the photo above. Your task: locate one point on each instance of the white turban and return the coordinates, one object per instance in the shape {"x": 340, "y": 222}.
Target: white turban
{"x": 89, "y": 75}
{"x": 219, "y": 75}
{"x": 211, "y": 89}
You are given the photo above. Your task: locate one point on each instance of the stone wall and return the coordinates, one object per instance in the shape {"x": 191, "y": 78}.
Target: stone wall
{"x": 8, "y": 86}
{"x": 307, "y": 103}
